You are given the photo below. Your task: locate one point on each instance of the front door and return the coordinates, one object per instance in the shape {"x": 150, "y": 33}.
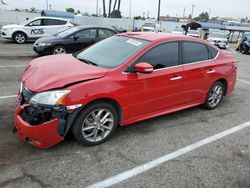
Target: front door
{"x": 160, "y": 90}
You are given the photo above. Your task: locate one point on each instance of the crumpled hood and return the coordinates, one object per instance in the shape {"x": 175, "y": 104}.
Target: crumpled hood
{"x": 57, "y": 71}
{"x": 11, "y": 26}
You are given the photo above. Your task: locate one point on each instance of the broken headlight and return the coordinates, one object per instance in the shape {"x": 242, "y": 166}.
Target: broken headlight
{"x": 50, "y": 97}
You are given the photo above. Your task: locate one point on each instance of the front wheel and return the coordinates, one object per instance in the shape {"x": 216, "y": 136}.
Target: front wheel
{"x": 59, "y": 50}
{"x": 20, "y": 37}
{"x": 214, "y": 96}
{"x": 95, "y": 124}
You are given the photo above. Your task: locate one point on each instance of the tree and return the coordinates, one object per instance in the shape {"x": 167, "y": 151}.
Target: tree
{"x": 115, "y": 14}
{"x": 204, "y": 16}
{"x": 70, "y": 10}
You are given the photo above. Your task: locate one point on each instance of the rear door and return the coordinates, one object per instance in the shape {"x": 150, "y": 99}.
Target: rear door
{"x": 160, "y": 90}
{"x": 198, "y": 68}
{"x": 53, "y": 26}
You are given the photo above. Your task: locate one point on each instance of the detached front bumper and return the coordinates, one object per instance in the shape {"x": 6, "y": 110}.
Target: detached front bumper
{"x": 43, "y": 127}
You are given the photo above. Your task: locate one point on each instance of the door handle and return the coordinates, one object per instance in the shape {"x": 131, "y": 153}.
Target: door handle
{"x": 211, "y": 71}
{"x": 176, "y": 78}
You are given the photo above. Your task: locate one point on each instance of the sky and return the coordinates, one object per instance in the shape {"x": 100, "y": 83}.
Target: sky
{"x": 222, "y": 8}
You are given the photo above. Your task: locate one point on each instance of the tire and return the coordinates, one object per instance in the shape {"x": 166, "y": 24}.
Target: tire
{"x": 89, "y": 128}
{"x": 214, "y": 96}
{"x": 20, "y": 37}
{"x": 59, "y": 50}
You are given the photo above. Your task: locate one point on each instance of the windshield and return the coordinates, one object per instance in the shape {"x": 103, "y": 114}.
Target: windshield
{"x": 149, "y": 25}
{"x": 193, "y": 32}
{"x": 112, "y": 52}
{"x": 67, "y": 32}
{"x": 218, "y": 35}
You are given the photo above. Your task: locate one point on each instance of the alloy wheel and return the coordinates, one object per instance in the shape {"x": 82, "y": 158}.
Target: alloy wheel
{"x": 59, "y": 51}
{"x": 97, "y": 125}
{"x": 20, "y": 38}
{"x": 215, "y": 96}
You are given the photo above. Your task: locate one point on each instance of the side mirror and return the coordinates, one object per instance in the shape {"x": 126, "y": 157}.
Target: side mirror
{"x": 143, "y": 67}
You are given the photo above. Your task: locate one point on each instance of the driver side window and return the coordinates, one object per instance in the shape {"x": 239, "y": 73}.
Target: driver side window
{"x": 163, "y": 55}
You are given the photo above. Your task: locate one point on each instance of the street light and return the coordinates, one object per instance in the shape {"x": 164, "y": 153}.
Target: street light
{"x": 47, "y": 4}
{"x": 159, "y": 10}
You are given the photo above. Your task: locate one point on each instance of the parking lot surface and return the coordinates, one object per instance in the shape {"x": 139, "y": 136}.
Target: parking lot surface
{"x": 224, "y": 162}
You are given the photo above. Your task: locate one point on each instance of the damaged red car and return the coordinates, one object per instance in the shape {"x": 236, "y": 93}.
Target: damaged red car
{"x": 121, "y": 80}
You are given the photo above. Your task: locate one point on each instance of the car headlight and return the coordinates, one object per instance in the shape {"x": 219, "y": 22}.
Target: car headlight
{"x": 44, "y": 44}
{"x": 50, "y": 97}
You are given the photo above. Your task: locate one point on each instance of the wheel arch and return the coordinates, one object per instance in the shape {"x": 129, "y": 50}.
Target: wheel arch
{"x": 225, "y": 84}
{"x": 18, "y": 31}
{"x": 110, "y": 101}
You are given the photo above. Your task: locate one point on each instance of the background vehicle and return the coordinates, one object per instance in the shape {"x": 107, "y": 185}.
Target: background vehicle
{"x": 151, "y": 27}
{"x": 178, "y": 31}
{"x": 33, "y": 29}
{"x": 71, "y": 40}
{"x": 194, "y": 33}
{"x": 219, "y": 39}
{"x": 243, "y": 44}
{"x": 121, "y": 80}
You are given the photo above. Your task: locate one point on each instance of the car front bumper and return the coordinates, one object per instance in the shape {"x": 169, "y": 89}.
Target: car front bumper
{"x": 42, "y": 50}
{"x": 6, "y": 34}
{"x": 41, "y": 136}
{"x": 43, "y": 126}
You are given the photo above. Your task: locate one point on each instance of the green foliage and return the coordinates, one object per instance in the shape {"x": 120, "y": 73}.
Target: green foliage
{"x": 70, "y": 10}
{"x": 139, "y": 18}
{"x": 204, "y": 16}
{"x": 115, "y": 14}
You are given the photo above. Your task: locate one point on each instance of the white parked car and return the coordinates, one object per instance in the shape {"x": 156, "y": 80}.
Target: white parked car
{"x": 194, "y": 33}
{"x": 179, "y": 31}
{"x": 151, "y": 27}
{"x": 219, "y": 39}
{"x": 35, "y": 28}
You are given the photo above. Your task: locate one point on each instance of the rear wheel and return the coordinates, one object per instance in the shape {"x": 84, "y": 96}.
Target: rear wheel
{"x": 214, "y": 96}
{"x": 59, "y": 50}
{"x": 95, "y": 124}
{"x": 20, "y": 37}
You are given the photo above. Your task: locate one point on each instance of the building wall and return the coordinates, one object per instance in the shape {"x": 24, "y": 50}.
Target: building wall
{"x": 7, "y": 17}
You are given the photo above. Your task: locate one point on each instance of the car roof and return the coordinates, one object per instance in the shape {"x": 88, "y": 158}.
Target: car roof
{"x": 93, "y": 26}
{"x": 158, "y": 36}
{"x": 55, "y": 18}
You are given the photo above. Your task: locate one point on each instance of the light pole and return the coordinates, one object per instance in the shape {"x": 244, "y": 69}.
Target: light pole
{"x": 192, "y": 11}
{"x": 47, "y": 4}
{"x": 159, "y": 10}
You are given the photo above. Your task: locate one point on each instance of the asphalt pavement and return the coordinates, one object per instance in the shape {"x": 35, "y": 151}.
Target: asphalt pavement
{"x": 224, "y": 162}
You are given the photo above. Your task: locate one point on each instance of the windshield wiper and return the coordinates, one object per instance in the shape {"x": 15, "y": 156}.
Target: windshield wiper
{"x": 87, "y": 61}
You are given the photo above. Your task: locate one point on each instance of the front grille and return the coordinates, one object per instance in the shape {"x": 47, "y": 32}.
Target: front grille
{"x": 26, "y": 94}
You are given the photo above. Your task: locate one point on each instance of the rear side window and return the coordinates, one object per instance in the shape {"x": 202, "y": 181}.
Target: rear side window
{"x": 194, "y": 52}
{"x": 55, "y": 22}
{"x": 105, "y": 33}
{"x": 213, "y": 52}
{"x": 161, "y": 56}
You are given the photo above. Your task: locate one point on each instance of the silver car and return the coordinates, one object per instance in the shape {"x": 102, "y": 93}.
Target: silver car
{"x": 219, "y": 39}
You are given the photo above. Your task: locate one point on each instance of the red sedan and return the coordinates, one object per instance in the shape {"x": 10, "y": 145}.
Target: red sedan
{"x": 124, "y": 79}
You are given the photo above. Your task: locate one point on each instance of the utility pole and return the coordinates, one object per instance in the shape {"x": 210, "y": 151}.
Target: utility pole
{"x": 192, "y": 11}
{"x": 184, "y": 12}
{"x": 129, "y": 8}
{"x": 159, "y": 10}
{"x": 97, "y": 8}
{"x": 209, "y": 13}
{"x": 47, "y": 4}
